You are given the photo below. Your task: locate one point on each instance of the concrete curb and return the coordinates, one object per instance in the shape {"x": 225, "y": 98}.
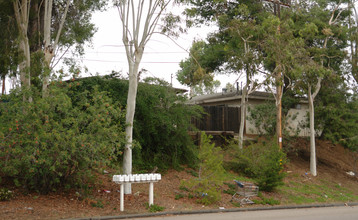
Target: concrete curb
{"x": 144, "y": 215}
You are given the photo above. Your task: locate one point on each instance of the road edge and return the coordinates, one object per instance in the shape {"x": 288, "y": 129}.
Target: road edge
{"x": 192, "y": 212}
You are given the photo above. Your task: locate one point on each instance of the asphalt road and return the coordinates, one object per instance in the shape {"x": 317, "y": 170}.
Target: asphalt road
{"x": 331, "y": 213}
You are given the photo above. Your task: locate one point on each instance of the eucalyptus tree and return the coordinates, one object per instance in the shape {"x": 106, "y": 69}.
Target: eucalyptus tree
{"x": 22, "y": 14}
{"x": 66, "y": 23}
{"x": 139, "y": 21}
{"x": 324, "y": 32}
{"x": 193, "y": 73}
{"x": 251, "y": 41}
{"x": 47, "y": 28}
{"x": 49, "y": 45}
{"x": 8, "y": 47}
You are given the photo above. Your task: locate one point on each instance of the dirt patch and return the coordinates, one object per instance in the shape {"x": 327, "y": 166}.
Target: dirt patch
{"x": 333, "y": 163}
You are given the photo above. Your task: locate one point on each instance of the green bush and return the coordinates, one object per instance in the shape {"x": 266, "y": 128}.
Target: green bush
{"x": 161, "y": 121}
{"x": 264, "y": 163}
{"x": 210, "y": 173}
{"x": 263, "y": 116}
{"x": 59, "y": 140}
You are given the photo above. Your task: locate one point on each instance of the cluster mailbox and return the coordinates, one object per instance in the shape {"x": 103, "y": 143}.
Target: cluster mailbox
{"x": 151, "y": 177}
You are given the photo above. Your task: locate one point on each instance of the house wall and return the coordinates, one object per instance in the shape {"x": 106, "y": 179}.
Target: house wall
{"x": 296, "y": 119}
{"x": 296, "y": 116}
{"x": 294, "y": 122}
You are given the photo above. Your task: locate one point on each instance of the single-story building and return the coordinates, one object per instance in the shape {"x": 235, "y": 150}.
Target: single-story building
{"x": 295, "y": 118}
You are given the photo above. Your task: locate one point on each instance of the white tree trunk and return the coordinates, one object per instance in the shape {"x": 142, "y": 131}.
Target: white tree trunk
{"x": 279, "y": 94}
{"x": 26, "y": 63}
{"x": 22, "y": 11}
{"x": 313, "y": 162}
{"x": 139, "y": 20}
{"x": 242, "y": 117}
{"x": 130, "y": 110}
{"x": 50, "y": 46}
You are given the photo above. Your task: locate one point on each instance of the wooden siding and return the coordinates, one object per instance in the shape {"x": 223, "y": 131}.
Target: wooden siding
{"x": 219, "y": 118}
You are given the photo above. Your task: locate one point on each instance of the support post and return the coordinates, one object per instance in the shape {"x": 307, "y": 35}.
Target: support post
{"x": 122, "y": 198}
{"x": 151, "y": 192}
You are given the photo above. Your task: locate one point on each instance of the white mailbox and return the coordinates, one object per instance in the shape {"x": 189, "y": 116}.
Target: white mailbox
{"x": 137, "y": 178}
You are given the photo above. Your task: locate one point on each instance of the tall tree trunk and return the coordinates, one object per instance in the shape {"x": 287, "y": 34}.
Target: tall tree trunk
{"x": 3, "y": 85}
{"x": 354, "y": 41}
{"x": 311, "y": 96}
{"x": 22, "y": 11}
{"x": 47, "y": 70}
{"x": 24, "y": 66}
{"x": 313, "y": 163}
{"x": 50, "y": 46}
{"x": 130, "y": 110}
{"x": 242, "y": 117}
{"x": 279, "y": 107}
{"x": 48, "y": 50}
{"x": 138, "y": 27}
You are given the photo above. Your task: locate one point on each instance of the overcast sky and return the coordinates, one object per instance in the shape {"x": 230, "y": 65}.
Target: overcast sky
{"x": 161, "y": 58}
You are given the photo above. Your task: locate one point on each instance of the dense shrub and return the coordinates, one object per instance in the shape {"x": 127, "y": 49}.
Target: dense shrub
{"x": 58, "y": 140}
{"x": 263, "y": 116}
{"x": 264, "y": 162}
{"x": 5, "y": 194}
{"x": 337, "y": 117}
{"x": 210, "y": 173}
{"x": 161, "y": 121}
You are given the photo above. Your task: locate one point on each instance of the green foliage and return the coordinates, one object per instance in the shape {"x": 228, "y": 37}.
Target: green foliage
{"x": 337, "y": 116}
{"x": 5, "y": 194}
{"x": 160, "y": 124}
{"x": 97, "y": 204}
{"x": 193, "y": 173}
{"x": 231, "y": 190}
{"x": 154, "y": 208}
{"x": 60, "y": 140}
{"x": 184, "y": 188}
{"x": 264, "y": 163}
{"x": 8, "y": 50}
{"x": 193, "y": 73}
{"x": 263, "y": 116}
{"x": 266, "y": 201}
{"x": 179, "y": 196}
{"x": 211, "y": 173}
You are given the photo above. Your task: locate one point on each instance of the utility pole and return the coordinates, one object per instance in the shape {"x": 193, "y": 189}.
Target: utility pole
{"x": 279, "y": 77}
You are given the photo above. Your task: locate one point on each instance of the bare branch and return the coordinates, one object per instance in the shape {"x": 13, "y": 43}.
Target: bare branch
{"x": 61, "y": 24}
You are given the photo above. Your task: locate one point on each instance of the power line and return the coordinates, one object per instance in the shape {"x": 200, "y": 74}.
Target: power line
{"x": 113, "y": 61}
{"x": 158, "y": 52}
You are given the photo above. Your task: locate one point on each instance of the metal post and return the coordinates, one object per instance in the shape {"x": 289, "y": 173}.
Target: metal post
{"x": 122, "y": 198}
{"x": 151, "y": 196}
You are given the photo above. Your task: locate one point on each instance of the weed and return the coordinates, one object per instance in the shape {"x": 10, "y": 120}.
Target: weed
{"x": 230, "y": 192}
{"x": 179, "y": 196}
{"x": 231, "y": 186}
{"x": 5, "y": 194}
{"x": 154, "y": 208}
{"x": 236, "y": 204}
{"x": 193, "y": 173}
{"x": 184, "y": 188}
{"x": 266, "y": 201}
{"x": 98, "y": 204}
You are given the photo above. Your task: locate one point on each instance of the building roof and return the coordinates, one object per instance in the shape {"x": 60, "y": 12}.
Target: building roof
{"x": 230, "y": 96}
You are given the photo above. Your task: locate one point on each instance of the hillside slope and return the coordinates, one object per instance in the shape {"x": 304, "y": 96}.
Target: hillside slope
{"x": 331, "y": 185}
